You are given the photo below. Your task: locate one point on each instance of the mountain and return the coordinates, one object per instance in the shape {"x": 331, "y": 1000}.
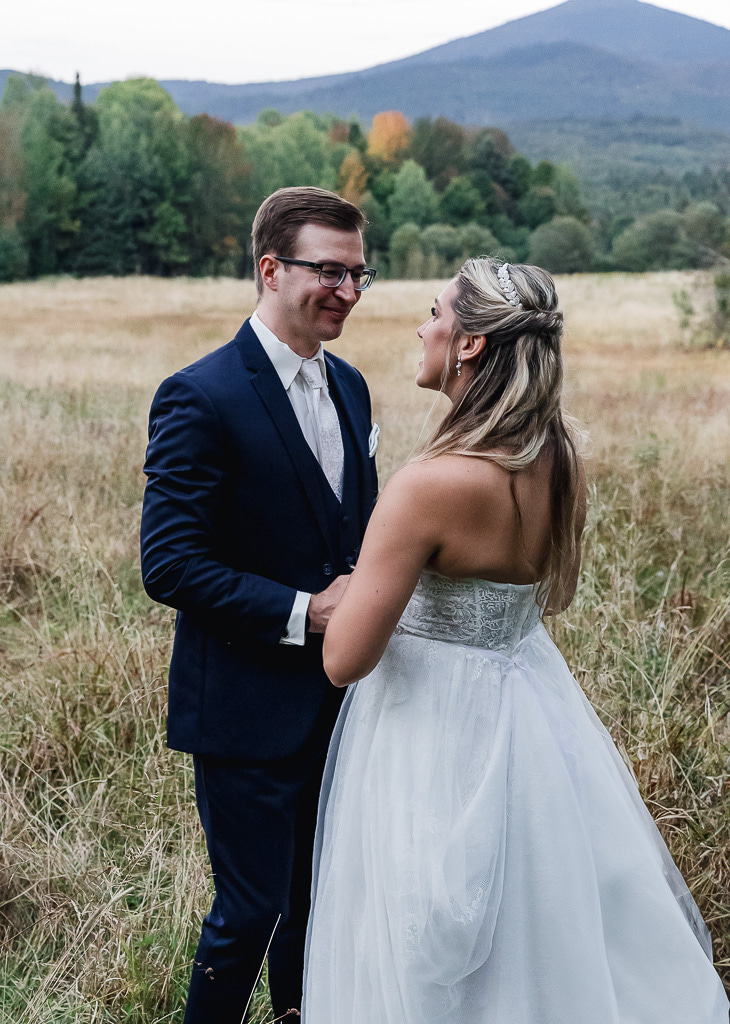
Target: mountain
{"x": 624, "y": 27}
{"x": 583, "y": 59}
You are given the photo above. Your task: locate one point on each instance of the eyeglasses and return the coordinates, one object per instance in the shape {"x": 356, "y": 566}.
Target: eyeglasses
{"x": 331, "y": 275}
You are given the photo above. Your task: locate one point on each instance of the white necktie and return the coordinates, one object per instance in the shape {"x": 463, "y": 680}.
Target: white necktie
{"x": 331, "y": 452}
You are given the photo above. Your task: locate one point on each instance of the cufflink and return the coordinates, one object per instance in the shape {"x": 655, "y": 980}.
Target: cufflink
{"x": 373, "y": 440}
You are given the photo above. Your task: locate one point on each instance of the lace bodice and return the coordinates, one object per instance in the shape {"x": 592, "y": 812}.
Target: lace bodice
{"x": 475, "y": 612}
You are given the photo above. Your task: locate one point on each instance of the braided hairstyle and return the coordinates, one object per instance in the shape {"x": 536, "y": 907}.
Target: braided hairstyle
{"x": 510, "y": 409}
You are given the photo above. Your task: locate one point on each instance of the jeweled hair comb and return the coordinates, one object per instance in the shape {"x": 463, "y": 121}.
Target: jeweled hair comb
{"x": 507, "y": 286}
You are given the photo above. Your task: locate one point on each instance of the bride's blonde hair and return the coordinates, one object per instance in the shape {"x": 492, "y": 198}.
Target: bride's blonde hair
{"x": 511, "y": 408}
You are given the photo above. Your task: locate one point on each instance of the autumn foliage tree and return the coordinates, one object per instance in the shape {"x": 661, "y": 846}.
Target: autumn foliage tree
{"x": 390, "y": 137}
{"x": 353, "y": 178}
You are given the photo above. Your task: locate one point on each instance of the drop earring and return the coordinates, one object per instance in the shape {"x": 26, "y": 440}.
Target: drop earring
{"x": 458, "y": 367}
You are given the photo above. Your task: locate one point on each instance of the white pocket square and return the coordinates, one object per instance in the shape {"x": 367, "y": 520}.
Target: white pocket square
{"x": 373, "y": 440}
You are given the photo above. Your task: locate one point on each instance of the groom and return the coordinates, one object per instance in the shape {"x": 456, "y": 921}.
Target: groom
{"x": 261, "y": 480}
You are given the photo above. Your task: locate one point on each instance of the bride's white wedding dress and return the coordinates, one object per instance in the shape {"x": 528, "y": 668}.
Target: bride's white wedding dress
{"x": 483, "y": 855}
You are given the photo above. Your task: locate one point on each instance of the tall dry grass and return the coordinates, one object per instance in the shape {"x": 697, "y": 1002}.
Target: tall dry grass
{"x": 103, "y": 875}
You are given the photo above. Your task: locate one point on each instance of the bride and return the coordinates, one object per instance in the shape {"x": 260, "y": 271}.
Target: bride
{"x": 483, "y": 854}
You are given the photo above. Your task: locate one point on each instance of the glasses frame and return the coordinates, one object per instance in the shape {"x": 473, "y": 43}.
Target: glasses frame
{"x": 345, "y": 271}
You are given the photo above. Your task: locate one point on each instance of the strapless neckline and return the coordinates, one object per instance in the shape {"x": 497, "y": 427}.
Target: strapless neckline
{"x": 478, "y": 579}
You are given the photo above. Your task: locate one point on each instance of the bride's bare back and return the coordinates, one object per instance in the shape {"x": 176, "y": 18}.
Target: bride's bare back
{"x": 455, "y": 514}
{"x": 490, "y": 534}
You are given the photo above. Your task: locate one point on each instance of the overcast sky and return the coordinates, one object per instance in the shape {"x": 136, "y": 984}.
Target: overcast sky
{"x": 249, "y": 40}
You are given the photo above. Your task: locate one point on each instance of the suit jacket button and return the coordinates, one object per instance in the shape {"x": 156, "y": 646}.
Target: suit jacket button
{"x": 345, "y": 520}
{"x": 327, "y": 569}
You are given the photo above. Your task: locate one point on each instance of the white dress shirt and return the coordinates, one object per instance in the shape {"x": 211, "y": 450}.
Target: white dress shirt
{"x": 287, "y": 364}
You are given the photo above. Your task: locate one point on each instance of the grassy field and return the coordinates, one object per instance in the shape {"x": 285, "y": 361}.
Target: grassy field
{"x": 103, "y": 875}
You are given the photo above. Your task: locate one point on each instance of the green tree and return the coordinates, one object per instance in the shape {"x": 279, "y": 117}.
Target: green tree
{"x": 518, "y": 175}
{"x": 563, "y": 246}
{"x": 439, "y": 147}
{"x": 377, "y": 229}
{"x": 292, "y": 151}
{"x": 566, "y": 188}
{"x": 12, "y": 193}
{"x": 511, "y": 237}
{"x": 460, "y": 202}
{"x": 442, "y": 250}
{"x": 13, "y": 252}
{"x": 270, "y": 118}
{"x": 538, "y": 205}
{"x": 218, "y": 175}
{"x": 13, "y": 256}
{"x": 406, "y": 253}
{"x": 381, "y": 181}
{"x": 43, "y": 129}
{"x": 476, "y": 240}
{"x": 356, "y": 137}
{"x": 85, "y": 124}
{"x": 490, "y": 152}
{"x": 656, "y": 242}
{"x": 704, "y": 226}
{"x": 543, "y": 174}
{"x": 135, "y": 181}
{"x": 414, "y": 198}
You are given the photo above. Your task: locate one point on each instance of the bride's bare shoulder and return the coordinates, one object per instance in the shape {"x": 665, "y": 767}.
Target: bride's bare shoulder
{"x": 440, "y": 482}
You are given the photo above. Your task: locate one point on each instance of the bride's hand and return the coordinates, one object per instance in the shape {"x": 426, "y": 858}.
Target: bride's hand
{"x": 323, "y": 604}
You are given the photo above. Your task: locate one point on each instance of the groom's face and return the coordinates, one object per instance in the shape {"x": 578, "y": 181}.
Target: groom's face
{"x": 314, "y": 312}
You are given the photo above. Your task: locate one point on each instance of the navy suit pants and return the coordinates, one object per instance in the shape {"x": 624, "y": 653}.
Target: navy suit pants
{"x": 259, "y": 819}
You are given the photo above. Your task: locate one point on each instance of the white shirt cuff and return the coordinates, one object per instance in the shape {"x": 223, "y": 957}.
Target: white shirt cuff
{"x": 296, "y": 627}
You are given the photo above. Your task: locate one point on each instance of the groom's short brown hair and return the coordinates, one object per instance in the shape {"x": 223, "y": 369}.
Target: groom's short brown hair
{"x": 280, "y": 217}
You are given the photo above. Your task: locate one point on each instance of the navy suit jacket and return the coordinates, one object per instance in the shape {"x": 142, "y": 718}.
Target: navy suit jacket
{"x": 237, "y": 517}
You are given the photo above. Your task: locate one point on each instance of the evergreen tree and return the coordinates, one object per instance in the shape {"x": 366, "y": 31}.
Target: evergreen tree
{"x": 86, "y": 125}
{"x": 135, "y": 181}
{"x": 45, "y": 134}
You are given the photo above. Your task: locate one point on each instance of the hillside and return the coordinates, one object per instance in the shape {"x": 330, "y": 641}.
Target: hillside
{"x": 582, "y": 58}
{"x": 623, "y": 154}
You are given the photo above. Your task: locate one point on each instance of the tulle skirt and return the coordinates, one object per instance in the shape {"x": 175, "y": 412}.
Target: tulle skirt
{"x": 483, "y": 857}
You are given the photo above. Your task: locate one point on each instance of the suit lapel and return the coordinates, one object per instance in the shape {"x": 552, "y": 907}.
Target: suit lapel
{"x": 270, "y": 390}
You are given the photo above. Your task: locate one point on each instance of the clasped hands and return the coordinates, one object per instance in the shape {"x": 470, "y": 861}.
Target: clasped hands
{"x": 323, "y": 604}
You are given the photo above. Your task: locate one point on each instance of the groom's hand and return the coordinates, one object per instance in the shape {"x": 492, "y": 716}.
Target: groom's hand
{"x": 323, "y": 604}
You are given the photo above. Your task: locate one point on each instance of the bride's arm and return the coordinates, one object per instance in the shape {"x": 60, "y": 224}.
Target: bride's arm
{"x": 402, "y": 536}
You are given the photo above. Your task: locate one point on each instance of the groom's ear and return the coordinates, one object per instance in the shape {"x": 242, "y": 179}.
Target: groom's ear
{"x": 268, "y": 267}
{"x": 471, "y": 346}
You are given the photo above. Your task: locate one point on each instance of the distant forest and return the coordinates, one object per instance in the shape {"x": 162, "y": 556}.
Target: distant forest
{"x": 128, "y": 184}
